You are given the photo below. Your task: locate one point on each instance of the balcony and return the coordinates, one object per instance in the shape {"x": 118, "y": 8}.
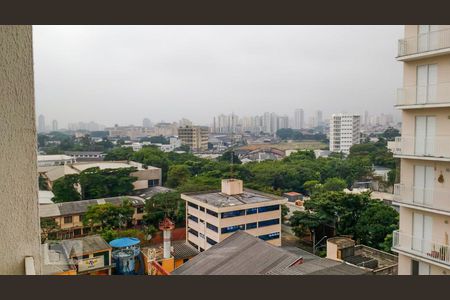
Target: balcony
{"x": 417, "y": 246}
{"x": 424, "y": 45}
{"x": 435, "y": 95}
{"x": 423, "y": 198}
{"x": 436, "y": 148}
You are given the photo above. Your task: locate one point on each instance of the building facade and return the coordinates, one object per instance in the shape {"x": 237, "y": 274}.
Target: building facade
{"x": 345, "y": 132}
{"x": 423, "y": 193}
{"x": 213, "y": 216}
{"x": 196, "y": 137}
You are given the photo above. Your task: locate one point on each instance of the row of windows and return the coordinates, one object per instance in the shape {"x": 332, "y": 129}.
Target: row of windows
{"x": 210, "y": 241}
{"x": 192, "y": 231}
{"x": 237, "y": 213}
{"x": 270, "y": 236}
{"x": 268, "y": 222}
{"x": 193, "y": 218}
{"x": 212, "y": 227}
{"x": 232, "y": 228}
{"x": 250, "y": 226}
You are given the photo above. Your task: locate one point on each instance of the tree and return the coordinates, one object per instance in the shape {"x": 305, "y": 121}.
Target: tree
{"x": 120, "y": 153}
{"x": 390, "y": 134}
{"x": 152, "y": 156}
{"x": 109, "y": 216}
{"x": 100, "y": 183}
{"x": 43, "y": 185}
{"x": 226, "y": 156}
{"x": 284, "y": 212}
{"x": 64, "y": 188}
{"x": 312, "y": 186}
{"x": 48, "y": 226}
{"x": 334, "y": 184}
{"x": 375, "y": 223}
{"x": 165, "y": 205}
{"x": 177, "y": 175}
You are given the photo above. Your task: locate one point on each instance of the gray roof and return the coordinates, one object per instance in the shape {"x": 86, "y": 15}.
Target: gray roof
{"x": 79, "y": 207}
{"x": 85, "y": 245}
{"x": 182, "y": 250}
{"x": 152, "y": 191}
{"x": 323, "y": 266}
{"x": 219, "y": 199}
{"x": 239, "y": 254}
{"x": 83, "y": 152}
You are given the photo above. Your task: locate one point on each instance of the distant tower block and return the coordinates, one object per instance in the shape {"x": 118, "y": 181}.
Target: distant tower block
{"x": 166, "y": 226}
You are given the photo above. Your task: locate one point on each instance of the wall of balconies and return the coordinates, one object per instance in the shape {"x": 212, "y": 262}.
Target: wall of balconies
{"x": 417, "y": 45}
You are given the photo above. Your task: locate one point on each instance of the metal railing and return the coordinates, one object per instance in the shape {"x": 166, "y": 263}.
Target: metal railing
{"x": 436, "y": 146}
{"x": 421, "y": 247}
{"x": 424, "y": 94}
{"x": 434, "y": 198}
{"x": 434, "y": 40}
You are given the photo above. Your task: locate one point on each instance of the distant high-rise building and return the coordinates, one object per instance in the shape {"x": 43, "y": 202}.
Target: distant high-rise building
{"x": 55, "y": 125}
{"x": 345, "y": 132}
{"x": 366, "y": 118}
{"x": 146, "y": 123}
{"x": 299, "y": 119}
{"x": 41, "y": 123}
{"x": 319, "y": 118}
{"x": 283, "y": 122}
{"x": 196, "y": 137}
{"x": 184, "y": 122}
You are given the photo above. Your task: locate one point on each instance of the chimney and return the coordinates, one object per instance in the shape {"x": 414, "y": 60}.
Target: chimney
{"x": 167, "y": 226}
{"x": 232, "y": 186}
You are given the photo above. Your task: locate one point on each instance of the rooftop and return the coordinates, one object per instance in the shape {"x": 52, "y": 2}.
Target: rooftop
{"x": 79, "y": 207}
{"x": 53, "y": 157}
{"x": 85, "y": 245}
{"x": 152, "y": 191}
{"x": 245, "y": 254}
{"x": 45, "y": 197}
{"x": 180, "y": 250}
{"x": 219, "y": 199}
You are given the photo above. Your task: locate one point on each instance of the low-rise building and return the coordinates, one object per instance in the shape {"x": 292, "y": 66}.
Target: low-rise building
{"x": 147, "y": 176}
{"x": 81, "y": 156}
{"x": 69, "y": 215}
{"x": 213, "y": 216}
{"x": 54, "y": 160}
{"x": 245, "y": 254}
{"x": 90, "y": 255}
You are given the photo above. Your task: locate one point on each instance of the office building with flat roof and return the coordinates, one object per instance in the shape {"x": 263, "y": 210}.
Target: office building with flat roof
{"x": 215, "y": 215}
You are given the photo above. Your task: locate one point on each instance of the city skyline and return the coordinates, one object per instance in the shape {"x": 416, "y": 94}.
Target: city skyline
{"x": 131, "y": 73}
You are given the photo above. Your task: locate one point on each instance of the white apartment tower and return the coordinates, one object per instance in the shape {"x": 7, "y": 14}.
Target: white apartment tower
{"x": 423, "y": 194}
{"x": 299, "y": 119}
{"x": 344, "y": 132}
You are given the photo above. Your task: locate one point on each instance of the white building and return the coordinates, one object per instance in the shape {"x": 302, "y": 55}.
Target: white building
{"x": 299, "y": 119}
{"x": 344, "y": 132}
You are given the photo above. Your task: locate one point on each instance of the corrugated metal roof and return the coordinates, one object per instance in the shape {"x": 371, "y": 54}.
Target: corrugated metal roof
{"x": 239, "y": 254}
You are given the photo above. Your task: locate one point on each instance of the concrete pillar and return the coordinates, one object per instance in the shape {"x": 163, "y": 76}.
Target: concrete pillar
{"x": 19, "y": 218}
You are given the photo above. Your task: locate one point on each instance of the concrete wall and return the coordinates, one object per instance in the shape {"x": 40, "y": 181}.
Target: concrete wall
{"x": 19, "y": 219}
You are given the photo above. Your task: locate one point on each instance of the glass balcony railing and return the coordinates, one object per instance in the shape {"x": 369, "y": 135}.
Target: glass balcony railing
{"x": 432, "y": 198}
{"x": 436, "y": 146}
{"x": 431, "y": 41}
{"x": 422, "y": 95}
{"x": 421, "y": 247}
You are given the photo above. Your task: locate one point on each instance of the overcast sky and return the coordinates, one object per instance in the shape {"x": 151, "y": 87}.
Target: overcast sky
{"x": 121, "y": 74}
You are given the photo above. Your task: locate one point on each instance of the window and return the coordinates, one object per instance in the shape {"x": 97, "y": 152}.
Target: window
{"x": 193, "y": 205}
{"x": 201, "y": 249}
{"x": 231, "y": 214}
{"x": 232, "y": 228}
{"x": 194, "y": 232}
{"x": 268, "y": 222}
{"x": 201, "y": 221}
{"x": 270, "y": 236}
{"x": 139, "y": 210}
{"x": 268, "y": 208}
{"x": 212, "y": 213}
{"x": 210, "y": 241}
{"x": 202, "y": 209}
{"x": 67, "y": 220}
{"x": 252, "y": 211}
{"x": 77, "y": 232}
{"x": 153, "y": 182}
{"x": 251, "y": 226}
{"x": 193, "y": 218}
{"x": 193, "y": 244}
{"x": 80, "y": 218}
{"x": 201, "y": 235}
{"x": 212, "y": 227}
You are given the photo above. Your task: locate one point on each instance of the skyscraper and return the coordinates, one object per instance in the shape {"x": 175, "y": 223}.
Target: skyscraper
{"x": 319, "y": 118}
{"x": 345, "y": 132}
{"x": 299, "y": 119}
{"x": 423, "y": 194}
{"x": 41, "y": 123}
{"x": 146, "y": 123}
{"x": 55, "y": 125}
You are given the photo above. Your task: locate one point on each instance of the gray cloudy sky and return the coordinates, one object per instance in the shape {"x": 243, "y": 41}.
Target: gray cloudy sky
{"x": 121, "y": 74}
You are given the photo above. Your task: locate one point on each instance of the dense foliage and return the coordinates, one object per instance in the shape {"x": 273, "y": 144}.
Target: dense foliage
{"x": 109, "y": 216}
{"x": 367, "y": 220}
{"x": 165, "y": 205}
{"x": 297, "y": 135}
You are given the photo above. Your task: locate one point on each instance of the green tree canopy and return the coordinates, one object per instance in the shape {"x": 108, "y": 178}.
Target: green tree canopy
{"x": 109, "y": 216}
{"x": 165, "y": 205}
{"x": 64, "y": 189}
{"x": 178, "y": 175}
